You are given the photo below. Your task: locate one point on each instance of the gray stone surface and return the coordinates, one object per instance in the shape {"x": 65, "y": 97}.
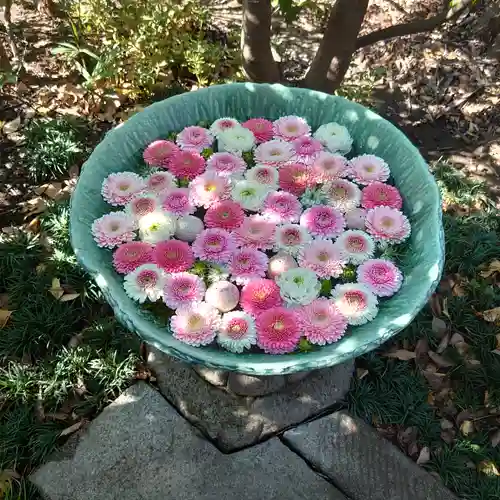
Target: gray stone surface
{"x": 361, "y": 463}
{"x": 140, "y": 448}
{"x": 234, "y": 422}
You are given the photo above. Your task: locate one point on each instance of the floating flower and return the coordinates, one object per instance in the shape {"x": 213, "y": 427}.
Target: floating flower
{"x": 379, "y": 194}
{"x": 156, "y": 227}
{"x": 226, "y": 214}
{"x": 247, "y": 264}
{"x": 282, "y": 207}
{"x": 223, "y": 124}
{"x": 387, "y": 225}
{"x": 236, "y": 140}
{"x": 237, "y": 332}
{"x": 291, "y": 238}
{"x": 334, "y": 137}
{"x": 380, "y": 276}
{"x": 177, "y": 201}
{"x": 226, "y": 164}
{"x": 250, "y": 195}
{"x": 306, "y": 149}
{"x": 145, "y": 282}
{"x": 264, "y": 175}
{"x": 160, "y": 182}
{"x": 209, "y": 188}
{"x": 273, "y": 153}
{"x": 113, "y": 229}
{"x": 182, "y": 289}
{"x": 120, "y": 188}
{"x": 298, "y": 286}
{"x": 188, "y": 228}
{"x": 195, "y": 324}
{"x": 259, "y": 295}
{"x": 195, "y": 138}
{"x": 342, "y": 195}
{"x": 130, "y": 256}
{"x": 277, "y": 330}
{"x": 324, "y": 258}
{"x": 366, "y": 169}
{"x": 279, "y": 263}
{"x": 223, "y": 295}
{"x": 323, "y": 221}
{"x": 256, "y": 232}
{"x": 328, "y": 167}
{"x": 159, "y": 153}
{"x": 187, "y": 164}
{"x": 295, "y": 178}
{"x": 322, "y": 322}
{"x": 173, "y": 256}
{"x": 143, "y": 204}
{"x": 355, "y": 218}
{"x": 355, "y": 302}
{"x": 356, "y": 246}
{"x": 262, "y": 129}
{"x": 289, "y": 128}
{"x": 313, "y": 197}
{"x": 214, "y": 245}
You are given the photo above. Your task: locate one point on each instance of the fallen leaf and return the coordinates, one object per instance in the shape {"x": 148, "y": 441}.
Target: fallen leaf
{"x": 56, "y": 289}
{"x": 495, "y": 439}
{"x": 361, "y": 373}
{"x": 34, "y": 226}
{"x": 491, "y": 315}
{"x": 440, "y": 360}
{"x": 72, "y": 428}
{"x": 456, "y": 338}
{"x": 435, "y": 305}
{"x": 4, "y": 317}
{"x": 463, "y": 416}
{"x": 74, "y": 172}
{"x": 439, "y": 327}
{"x": 12, "y": 126}
{"x": 445, "y": 308}
{"x": 6, "y": 477}
{"x": 496, "y": 351}
{"x": 488, "y": 467}
{"x": 401, "y": 354}
{"x": 493, "y": 267}
{"x": 467, "y": 427}
{"x": 446, "y": 424}
{"x": 448, "y": 436}
{"x": 497, "y": 336}
{"x": 443, "y": 344}
{"x": 425, "y": 456}
{"x": 34, "y": 206}
{"x": 53, "y": 190}
{"x": 421, "y": 347}
{"x": 69, "y": 296}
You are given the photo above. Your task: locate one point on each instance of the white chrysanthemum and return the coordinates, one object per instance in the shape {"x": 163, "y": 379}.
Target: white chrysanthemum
{"x": 334, "y": 137}
{"x": 236, "y": 140}
{"x": 237, "y": 331}
{"x": 156, "y": 227}
{"x": 355, "y": 302}
{"x": 291, "y": 238}
{"x": 265, "y": 175}
{"x": 188, "y": 228}
{"x": 356, "y": 246}
{"x": 313, "y": 197}
{"x": 145, "y": 282}
{"x": 223, "y": 124}
{"x": 342, "y": 195}
{"x": 250, "y": 195}
{"x": 298, "y": 286}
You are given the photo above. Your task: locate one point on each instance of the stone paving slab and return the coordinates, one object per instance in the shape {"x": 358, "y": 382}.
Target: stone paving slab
{"x": 361, "y": 463}
{"x": 236, "y": 421}
{"x": 140, "y": 448}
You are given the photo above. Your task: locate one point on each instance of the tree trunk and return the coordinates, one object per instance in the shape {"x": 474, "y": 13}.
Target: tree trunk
{"x": 334, "y": 54}
{"x": 4, "y": 59}
{"x": 258, "y": 62}
{"x": 7, "y": 21}
{"x": 47, "y": 8}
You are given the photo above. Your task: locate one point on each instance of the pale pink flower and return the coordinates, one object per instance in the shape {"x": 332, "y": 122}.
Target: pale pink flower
{"x": 324, "y": 258}
{"x": 356, "y": 246}
{"x": 255, "y": 232}
{"x": 380, "y": 276}
{"x": 322, "y": 322}
{"x": 182, "y": 289}
{"x": 247, "y": 264}
{"x": 387, "y": 225}
{"x": 195, "y": 324}
{"x": 378, "y": 194}
{"x": 306, "y": 149}
{"x": 195, "y": 138}
{"x": 130, "y": 256}
{"x": 282, "y": 207}
{"x": 366, "y": 169}
{"x": 295, "y": 178}
{"x": 223, "y": 124}
{"x": 160, "y": 182}
{"x": 273, "y": 153}
{"x": 223, "y": 295}
{"x": 187, "y": 164}
{"x": 328, "y": 167}
{"x": 259, "y": 295}
{"x": 280, "y": 263}
{"x": 159, "y": 153}
{"x": 143, "y": 204}
{"x": 173, "y": 256}
{"x": 214, "y": 245}
{"x": 291, "y": 238}
{"x": 226, "y": 214}
{"x": 355, "y": 218}
{"x": 342, "y": 195}
{"x": 226, "y": 164}
{"x": 113, "y": 229}
{"x": 289, "y": 128}
{"x": 355, "y": 302}
{"x": 120, "y": 188}
{"x": 177, "y": 201}
{"x": 209, "y": 188}
{"x": 237, "y": 331}
{"x": 264, "y": 175}
{"x": 278, "y": 330}
{"x": 144, "y": 283}
{"x": 262, "y": 129}
{"x": 323, "y": 221}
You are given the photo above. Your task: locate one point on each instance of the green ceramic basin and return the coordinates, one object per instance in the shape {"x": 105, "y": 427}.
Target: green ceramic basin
{"x": 122, "y": 148}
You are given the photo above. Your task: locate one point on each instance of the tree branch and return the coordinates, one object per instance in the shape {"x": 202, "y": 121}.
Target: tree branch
{"x": 416, "y": 26}
{"x": 258, "y": 62}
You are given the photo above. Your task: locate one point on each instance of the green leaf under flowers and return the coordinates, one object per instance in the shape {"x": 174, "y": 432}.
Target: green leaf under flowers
{"x": 326, "y": 287}
{"x": 207, "y": 153}
{"x": 183, "y": 182}
{"x": 305, "y": 345}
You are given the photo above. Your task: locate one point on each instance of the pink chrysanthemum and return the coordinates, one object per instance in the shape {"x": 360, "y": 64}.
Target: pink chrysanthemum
{"x": 256, "y": 232}
{"x": 143, "y": 204}
{"x": 324, "y": 258}
{"x": 177, "y": 201}
{"x": 328, "y": 167}
{"x": 113, "y": 229}
{"x": 291, "y": 238}
{"x": 260, "y": 295}
{"x": 173, "y": 256}
{"x": 306, "y": 149}
{"x": 120, "y": 188}
{"x": 380, "y": 276}
{"x": 159, "y": 153}
{"x": 226, "y": 164}
{"x": 355, "y": 302}
{"x": 209, "y": 188}
{"x": 144, "y": 283}
{"x": 366, "y": 169}
{"x": 226, "y": 215}
{"x": 387, "y": 225}
{"x": 160, "y": 182}
{"x": 273, "y": 153}
{"x": 323, "y": 221}
{"x": 195, "y": 324}
{"x": 379, "y": 194}
{"x": 194, "y": 138}
{"x": 278, "y": 331}
{"x": 355, "y": 218}
{"x": 295, "y": 178}
{"x": 282, "y": 207}
{"x": 356, "y": 246}
{"x": 289, "y": 128}
{"x": 182, "y": 289}
{"x": 261, "y": 128}
{"x": 223, "y": 124}
{"x": 264, "y": 175}
{"x": 187, "y": 164}
{"x": 130, "y": 256}
{"x": 322, "y": 322}
{"x": 247, "y": 264}
{"x": 214, "y": 245}
{"x": 342, "y": 195}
